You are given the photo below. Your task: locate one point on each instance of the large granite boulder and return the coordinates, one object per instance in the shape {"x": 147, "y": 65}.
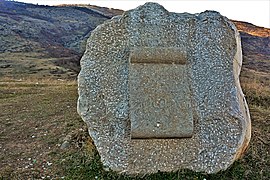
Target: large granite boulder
{"x": 160, "y": 91}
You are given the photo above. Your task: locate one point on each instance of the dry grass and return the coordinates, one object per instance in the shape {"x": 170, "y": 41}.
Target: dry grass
{"x": 37, "y": 115}
{"x": 256, "y": 87}
{"x": 33, "y": 65}
{"x": 35, "y": 118}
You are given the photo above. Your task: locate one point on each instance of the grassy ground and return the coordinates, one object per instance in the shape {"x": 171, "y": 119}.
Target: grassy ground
{"x": 34, "y": 65}
{"x": 37, "y": 116}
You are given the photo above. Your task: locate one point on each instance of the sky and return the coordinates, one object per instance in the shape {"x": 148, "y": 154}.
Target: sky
{"x": 253, "y": 11}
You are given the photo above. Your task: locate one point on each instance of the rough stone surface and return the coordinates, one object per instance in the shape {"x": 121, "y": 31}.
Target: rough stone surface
{"x": 160, "y": 91}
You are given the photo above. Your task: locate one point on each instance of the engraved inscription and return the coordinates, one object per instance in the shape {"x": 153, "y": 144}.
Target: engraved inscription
{"x": 160, "y": 104}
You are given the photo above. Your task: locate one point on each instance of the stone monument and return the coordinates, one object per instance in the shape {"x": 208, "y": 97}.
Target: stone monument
{"x": 160, "y": 91}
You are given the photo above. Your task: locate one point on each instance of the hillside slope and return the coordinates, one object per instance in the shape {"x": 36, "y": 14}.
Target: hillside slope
{"x": 48, "y": 41}
{"x": 56, "y": 34}
{"x": 45, "y": 27}
{"x": 255, "y": 45}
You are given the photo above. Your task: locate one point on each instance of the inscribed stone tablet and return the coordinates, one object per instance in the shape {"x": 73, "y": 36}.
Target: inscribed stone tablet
{"x": 160, "y": 102}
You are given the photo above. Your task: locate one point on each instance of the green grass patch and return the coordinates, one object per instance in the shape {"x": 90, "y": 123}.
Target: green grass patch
{"x": 81, "y": 165}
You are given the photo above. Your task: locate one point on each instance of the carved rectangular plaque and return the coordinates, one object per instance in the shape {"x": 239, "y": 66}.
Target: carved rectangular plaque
{"x": 160, "y": 96}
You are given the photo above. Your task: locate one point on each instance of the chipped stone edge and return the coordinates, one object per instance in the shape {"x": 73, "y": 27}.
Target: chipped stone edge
{"x": 246, "y": 122}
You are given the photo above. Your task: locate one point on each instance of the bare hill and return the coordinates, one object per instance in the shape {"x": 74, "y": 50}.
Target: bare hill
{"x": 48, "y": 41}
{"x": 31, "y": 35}
{"x": 256, "y": 46}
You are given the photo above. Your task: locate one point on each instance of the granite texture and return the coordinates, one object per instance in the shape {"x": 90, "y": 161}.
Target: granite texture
{"x": 142, "y": 70}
